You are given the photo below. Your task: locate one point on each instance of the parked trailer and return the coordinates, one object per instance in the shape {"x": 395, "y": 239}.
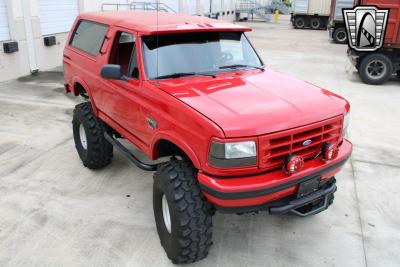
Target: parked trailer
{"x": 336, "y": 26}
{"x": 378, "y": 67}
{"x": 312, "y": 14}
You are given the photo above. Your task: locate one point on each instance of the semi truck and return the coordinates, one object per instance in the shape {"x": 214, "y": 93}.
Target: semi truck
{"x": 379, "y": 66}
{"x": 336, "y": 25}
{"x": 312, "y": 14}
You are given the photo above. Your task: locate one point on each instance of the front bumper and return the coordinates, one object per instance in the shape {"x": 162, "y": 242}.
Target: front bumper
{"x": 245, "y": 194}
{"x": 310, "y": 204}
{"x": 330, "y": 31}
{"x": 353, "y": 57}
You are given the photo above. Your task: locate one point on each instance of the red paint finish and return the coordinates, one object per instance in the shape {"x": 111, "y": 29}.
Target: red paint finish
{"x": 253, "y": 103}
{"x": 270, "y": 179}
{"x": 149, "y": 22}
{"x": 275, "y": 148}
{"x": 263, "y": 106}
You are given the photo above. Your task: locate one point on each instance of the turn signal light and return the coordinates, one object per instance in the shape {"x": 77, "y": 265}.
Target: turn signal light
{"x": 330, "y": 151}
{"x": 294, "y": 164}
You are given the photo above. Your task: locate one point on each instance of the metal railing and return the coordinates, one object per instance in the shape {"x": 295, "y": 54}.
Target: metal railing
{"x": 252, "y": 7}
{"x": 281, "y": 6}
{"x": 147, "y": 6}
{"x": 263, "y": 12}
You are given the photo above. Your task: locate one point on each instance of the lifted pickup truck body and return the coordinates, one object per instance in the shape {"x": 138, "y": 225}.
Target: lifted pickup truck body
{"x": 248, "y": 138}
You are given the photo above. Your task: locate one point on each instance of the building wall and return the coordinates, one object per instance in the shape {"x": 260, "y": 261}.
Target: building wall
{"x": 42, "y": 58}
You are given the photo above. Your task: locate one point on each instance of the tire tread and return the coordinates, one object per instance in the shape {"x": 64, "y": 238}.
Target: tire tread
{"x": 100, "y": 151}
{"x": 194, "y": 232}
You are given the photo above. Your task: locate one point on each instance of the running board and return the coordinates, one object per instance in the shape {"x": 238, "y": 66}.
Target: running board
{"x": 129, "y": 155}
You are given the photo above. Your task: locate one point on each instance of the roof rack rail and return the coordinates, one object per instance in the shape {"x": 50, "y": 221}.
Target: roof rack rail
{"x": 147, "y": 6}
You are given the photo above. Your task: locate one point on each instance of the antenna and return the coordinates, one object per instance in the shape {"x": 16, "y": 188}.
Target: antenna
{"x": 158, "y": 9}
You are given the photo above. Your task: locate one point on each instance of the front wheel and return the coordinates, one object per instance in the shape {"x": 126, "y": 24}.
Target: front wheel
{"x": 375, "y": 69}
{"x": 183, "y": 216}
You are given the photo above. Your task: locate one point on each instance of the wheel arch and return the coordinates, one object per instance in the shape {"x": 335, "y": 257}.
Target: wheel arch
{"x": 168, "y": 145}
{"x": 80, "y": 87}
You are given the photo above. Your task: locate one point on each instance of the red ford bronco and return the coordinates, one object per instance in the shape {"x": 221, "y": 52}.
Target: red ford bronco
{"x": 237, "y": 136}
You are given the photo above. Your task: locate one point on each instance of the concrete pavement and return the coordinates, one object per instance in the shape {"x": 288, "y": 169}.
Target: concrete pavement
{"x": 55, "y": 212}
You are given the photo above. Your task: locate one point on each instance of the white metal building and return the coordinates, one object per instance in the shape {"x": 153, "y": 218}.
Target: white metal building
{"x": 26, "y": 23}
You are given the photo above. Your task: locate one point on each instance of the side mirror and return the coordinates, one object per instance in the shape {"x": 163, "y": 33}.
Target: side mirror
{"x": 112, "y": 72}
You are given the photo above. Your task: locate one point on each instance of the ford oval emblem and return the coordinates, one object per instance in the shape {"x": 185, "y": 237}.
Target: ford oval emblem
{"x": 307, "y": 142}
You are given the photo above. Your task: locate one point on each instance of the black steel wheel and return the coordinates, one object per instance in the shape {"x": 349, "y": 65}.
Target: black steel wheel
{"x": 315, "y": 23}
{"x": 299, "y": 23}
{"x": 340, "y": 36}
{"x": 375, "y": 69}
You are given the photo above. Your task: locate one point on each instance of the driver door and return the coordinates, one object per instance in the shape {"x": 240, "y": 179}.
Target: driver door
{"x": 122, "y": 98}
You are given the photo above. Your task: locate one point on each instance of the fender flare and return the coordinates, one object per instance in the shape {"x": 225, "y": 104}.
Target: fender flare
{"x": 86, "y": 87}
{"x": 176, "y": 141}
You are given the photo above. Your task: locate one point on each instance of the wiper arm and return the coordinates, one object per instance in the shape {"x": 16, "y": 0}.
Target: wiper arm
{"x": 175, "y": 75}
{"x": 236, "y": 66}
{"x": 182, "y": 74}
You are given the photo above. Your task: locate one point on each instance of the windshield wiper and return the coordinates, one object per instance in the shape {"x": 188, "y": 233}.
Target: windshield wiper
{"x": 236, "y": 66}
{"x": 182, "y": 74}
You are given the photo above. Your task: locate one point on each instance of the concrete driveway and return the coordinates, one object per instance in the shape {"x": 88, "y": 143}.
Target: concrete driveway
{"x": 55, "y": 212}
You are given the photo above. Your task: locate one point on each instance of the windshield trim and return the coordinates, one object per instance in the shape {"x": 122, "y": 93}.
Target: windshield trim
{"x": 216, "y": 72}
{"x": 255, "y": 50}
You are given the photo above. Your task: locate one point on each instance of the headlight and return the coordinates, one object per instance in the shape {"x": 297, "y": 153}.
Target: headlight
{"x": 346, "y": 122}
{"x": 234, "y": 154}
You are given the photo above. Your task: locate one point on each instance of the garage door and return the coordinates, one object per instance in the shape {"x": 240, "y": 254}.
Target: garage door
{"x": 57, "y": 16}
{"x": 4, "y": 31}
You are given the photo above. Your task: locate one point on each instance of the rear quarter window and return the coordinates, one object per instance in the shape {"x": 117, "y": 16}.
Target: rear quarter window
{"x": 89, "y": 36}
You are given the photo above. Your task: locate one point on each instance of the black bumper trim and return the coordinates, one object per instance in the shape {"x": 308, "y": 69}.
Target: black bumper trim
{"x": 268, "y": 190}
{"x": 272, "y": 204}
{"x": 300, "y": 202}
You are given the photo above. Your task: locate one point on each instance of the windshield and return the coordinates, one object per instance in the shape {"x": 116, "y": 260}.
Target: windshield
{"x": 185, "y": 54}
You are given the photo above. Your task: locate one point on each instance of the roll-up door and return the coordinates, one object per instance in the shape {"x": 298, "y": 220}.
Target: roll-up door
{"x": 4, "y": 30}
{"x": 57, "y": 16}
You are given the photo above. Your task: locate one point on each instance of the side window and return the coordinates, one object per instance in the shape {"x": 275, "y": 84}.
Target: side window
{"x": 124, "y": 54}
{"x": 89, "y": 37}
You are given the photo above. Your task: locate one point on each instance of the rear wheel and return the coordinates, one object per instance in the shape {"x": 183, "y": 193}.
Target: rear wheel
{"x": 315, "y": 23}
{"x": 88, "y": 130}
{"x": 375, "y": 69}
{"x": 183, "y": 216}
{"x": 299, "y": 23}
{"x": 340, "y": 36}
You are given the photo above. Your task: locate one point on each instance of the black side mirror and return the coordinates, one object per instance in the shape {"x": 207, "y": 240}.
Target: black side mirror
{"x": 112, "y": 72}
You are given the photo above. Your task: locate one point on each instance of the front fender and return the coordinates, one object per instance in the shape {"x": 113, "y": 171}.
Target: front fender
{"x": 77, "y": 80}
{"x": 177, "y": 140}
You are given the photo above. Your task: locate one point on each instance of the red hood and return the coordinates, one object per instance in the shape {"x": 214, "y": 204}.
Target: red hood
{"x": 256, "y": 103}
